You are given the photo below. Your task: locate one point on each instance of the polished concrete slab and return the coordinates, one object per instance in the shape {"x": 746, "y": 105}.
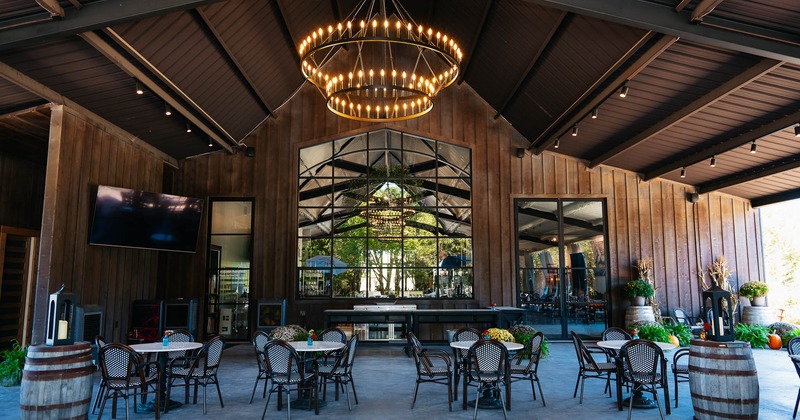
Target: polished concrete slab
{"x": 384, "y": 379}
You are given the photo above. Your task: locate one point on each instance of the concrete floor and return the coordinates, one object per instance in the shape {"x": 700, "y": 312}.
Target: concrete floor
{"x": 385, "y": 384}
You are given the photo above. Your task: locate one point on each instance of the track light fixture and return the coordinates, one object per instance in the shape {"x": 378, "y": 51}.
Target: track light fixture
{"x": 558, "y": 143}
{"x": 797, "y": 130}
{"x": 753, "y": 147}
{"x": 167, "y": 109}
{"x": 139, "y": 90}
{"x": 714, "y": 161}
{"x": 188, "y": 127}
{"x": 574, "y": 130}
{"x": 683, "y": 172}
{"x": 623, "y": 91}
{"x": 594, "y": 113}
{"x": 210, "y": 142}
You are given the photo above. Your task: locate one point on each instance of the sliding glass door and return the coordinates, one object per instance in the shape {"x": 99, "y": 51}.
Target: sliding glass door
{"x": 562, "y": 278}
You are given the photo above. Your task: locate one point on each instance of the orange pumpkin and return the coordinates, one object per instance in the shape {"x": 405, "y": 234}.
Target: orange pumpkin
{"x": 674, "y": 340}
{"x": 775, "y": 342}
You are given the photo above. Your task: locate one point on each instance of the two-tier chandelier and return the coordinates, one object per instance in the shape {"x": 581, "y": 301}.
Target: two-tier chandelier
{"x": 393, "y": 67}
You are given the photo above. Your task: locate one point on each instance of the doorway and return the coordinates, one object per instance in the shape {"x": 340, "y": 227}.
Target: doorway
{"x": 562, "y": 275}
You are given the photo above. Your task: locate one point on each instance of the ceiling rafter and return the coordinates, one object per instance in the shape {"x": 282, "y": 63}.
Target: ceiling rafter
{"x": 680, "y": 160}
{"x": 52, "y": 7}
{"x": 284, "y": 27}
{"x": 662, "y": 18}
{"x": 750, "y": 174}
{"x": 681, "y": 5}
{"x": 611, "y": 80}
{"x": 233, "y": 62}
{"x": 567, "y": 220}
{"x": 558, "y": 27}
{"x": 476, "y": 39}
{"x": 102, "y": 14}
{"x": 205, "y": 124}
{"x": 703, "y": 8}
{"x": 720, "y": 92}
{"x": 776, "y": 198}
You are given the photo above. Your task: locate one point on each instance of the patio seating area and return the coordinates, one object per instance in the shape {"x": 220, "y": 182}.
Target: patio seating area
{"x": 384, "y": 378}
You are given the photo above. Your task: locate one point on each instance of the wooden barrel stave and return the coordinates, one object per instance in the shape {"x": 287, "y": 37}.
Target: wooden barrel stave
{"x": 638, "y": 314}
{"x": 758, "y": 315}
{"x": 723, "y": 380}
{"x": 57, "y": 382}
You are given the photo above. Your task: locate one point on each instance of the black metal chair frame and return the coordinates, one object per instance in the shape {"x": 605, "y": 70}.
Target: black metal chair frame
{"x": 260, "y": 339}
{"x": 461, "y": 334}
{"x": 429, "y": 368}
{"x": 100, "y": 342}
{"x": 487, "y": 364}
{"x": 683, "y": 317}
{"x": 126, "y": 375}
{"x": 643, "y": 374}
{"x": 794, "y": 350}
{"x": 589, "y": 368}
{"x": 680, "y": 372}
{"x": 199, "y": 369}
{"x": 286, "y": 368}
{"x": 340, "y": 372}
{"x": 525, "y": 365}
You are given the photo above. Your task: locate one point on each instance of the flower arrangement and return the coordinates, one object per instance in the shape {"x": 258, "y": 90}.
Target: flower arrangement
{"x": 498, "y": 334}
{"x": 753, "y": 289}
{"x": 638, "y": 287}
{"x": 289, "y": 333}
{"x": 523, "y": 333}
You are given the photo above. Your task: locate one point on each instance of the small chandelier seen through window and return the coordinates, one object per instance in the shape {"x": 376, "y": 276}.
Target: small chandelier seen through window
{"x": 393, "y": 67}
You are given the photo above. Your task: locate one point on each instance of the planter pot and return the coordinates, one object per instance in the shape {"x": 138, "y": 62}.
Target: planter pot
{"x": 638, "y": 301}
{"x": 760, "y": 301}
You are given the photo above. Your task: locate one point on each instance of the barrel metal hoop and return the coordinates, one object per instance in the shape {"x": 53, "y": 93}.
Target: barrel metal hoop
{"x": 726, "y": 415}
{"x": 42, "y": 361}
{"x": 25, "y": 407}
{"x": 81, "y": 345}
{"x": 723, "y": 372}
{"x": 43, "y": 375}
{"x": 725, "y": 400}
{"x": 721, "y": 356}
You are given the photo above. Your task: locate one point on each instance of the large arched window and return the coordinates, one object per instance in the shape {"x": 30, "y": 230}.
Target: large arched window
{"x": 385, "y": 215}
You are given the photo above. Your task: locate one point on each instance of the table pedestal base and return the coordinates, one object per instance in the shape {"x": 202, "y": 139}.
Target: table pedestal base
{"x": 489, "y": 400}
{"x": 640, "y": 401}
{"x": 150, "y": 406}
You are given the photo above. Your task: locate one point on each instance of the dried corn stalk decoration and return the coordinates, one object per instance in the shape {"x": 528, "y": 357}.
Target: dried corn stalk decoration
{"x": 645, "y": 269}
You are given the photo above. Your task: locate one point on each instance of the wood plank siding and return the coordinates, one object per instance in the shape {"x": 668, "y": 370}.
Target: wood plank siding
{"x": 652, "y": 219}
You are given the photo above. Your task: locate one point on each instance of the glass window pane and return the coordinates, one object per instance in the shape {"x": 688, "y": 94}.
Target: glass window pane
{"x": 235, "y": 250}
{"x": 231, "y": 217}
{"x": 313, "y": 282}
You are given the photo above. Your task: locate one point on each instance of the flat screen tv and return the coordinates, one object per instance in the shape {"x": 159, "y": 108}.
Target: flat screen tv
{"x": 139, "y": 219}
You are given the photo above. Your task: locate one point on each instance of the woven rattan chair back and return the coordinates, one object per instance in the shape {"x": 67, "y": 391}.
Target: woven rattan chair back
{"x": 333, "y": 334}
{"x": 615, "y": 333}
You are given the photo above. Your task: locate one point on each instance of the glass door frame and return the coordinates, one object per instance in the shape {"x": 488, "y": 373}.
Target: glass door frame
{"x": 562, "y": 269}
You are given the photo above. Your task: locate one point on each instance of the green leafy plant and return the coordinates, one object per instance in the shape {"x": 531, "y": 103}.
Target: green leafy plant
{"x": 781, "y": 327}
{"x": 756, "y": 335}
{"x": 652, "y": 331}
{"x": 12, "y": 364}
{"x": 785, "y": 338}
{"x": 638, "y": 287}
{"x": 681, "y": 331}
{"x": 753, "y": 289}
{"x": 523, "y": 333}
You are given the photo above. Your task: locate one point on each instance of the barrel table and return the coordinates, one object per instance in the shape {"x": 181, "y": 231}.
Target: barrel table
{"x": 638, "y": 314}
{"x": 723, "y": 380}
{"x": 57, "y": 382}
{"x": 760, "y": 315}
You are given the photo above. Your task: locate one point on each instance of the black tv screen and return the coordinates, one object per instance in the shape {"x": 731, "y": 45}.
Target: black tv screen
{"x": 140, "y": 219}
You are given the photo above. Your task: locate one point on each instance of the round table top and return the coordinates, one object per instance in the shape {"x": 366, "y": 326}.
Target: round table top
{"x": 302, "y": 346}
{"x": 617, "y": 344}
{"x": 157, "y": 347}
{"x": 465, "y": 345}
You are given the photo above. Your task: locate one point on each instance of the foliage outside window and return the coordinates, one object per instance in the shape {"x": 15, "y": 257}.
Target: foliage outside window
{"x": 385, "y": 215}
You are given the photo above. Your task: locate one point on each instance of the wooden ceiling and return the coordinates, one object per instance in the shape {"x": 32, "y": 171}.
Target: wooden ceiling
{"x": 706, "y": 78}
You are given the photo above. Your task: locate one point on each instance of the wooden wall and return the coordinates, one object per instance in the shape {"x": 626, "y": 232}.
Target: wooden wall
{"x": 82, "y": 155}
{"x": 645, "y": 219}
{"x": 21, "y": 192}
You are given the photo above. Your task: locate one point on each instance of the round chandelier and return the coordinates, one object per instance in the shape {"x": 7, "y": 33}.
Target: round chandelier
{"x": 387, "y": 217}
{"x": 392, "y": 69}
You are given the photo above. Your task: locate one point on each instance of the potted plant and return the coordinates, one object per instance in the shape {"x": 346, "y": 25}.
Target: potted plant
{"x": 638, "y": 290}
{"x": 756, "y": 291}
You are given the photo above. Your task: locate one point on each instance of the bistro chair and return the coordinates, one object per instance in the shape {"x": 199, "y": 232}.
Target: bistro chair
{"x": 99, "y": 342}
{"x": 694, "y": 323}
{"x": 340, "y": 372}
{"x": 615, "y": 333}
{"x": 680, "y": 371}
{"x": 642, "y": 360}
{"x": 329, "y": 357}
{"x": 461, "y": 334}
{"x": 794, "y": 354}
{"x": 260, "y": 340}
{"x": 286, "y": 368}
{"x": 199, "y": 369}
{"x": 487, "y": 366}
{"x": 525, "y": 364}
{"x": 433, "y": 366}
{"x": 589, "y": 368}
{"x": 125, "y": 374}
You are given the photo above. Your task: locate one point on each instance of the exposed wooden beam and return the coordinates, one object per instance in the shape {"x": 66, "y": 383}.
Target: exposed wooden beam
{"x": 610, "y": 81}
{"x": 95, "y": 15}
{"x": 52, "y": 7}
{"x": 475, "y": 40}
{"x": 677, "y": 161}
{"x": 201, "y": 17}
{"x": 752, "y": 174}
{"x": 14, "y": 76}
{"x": 775, "y": 198}
{"x": 558, "y": 27}
{"x": 734, "y": 84}
{"x": 283, "y": 25}
{"x": 76, "y": 3}
{"x": 703, "y": 8}
{"x": 681, "y": 5}
{"x": 567, "y": 220}
{"x": 662, "y": 18}
{"x": 207, "y": 124}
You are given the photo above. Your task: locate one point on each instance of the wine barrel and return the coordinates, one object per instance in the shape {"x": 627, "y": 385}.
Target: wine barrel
{"x": 57, "y": 382}
{"x": 760, "y": 315}
{"x": 723, "y": 380}
{"x": 638, "y": 314}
